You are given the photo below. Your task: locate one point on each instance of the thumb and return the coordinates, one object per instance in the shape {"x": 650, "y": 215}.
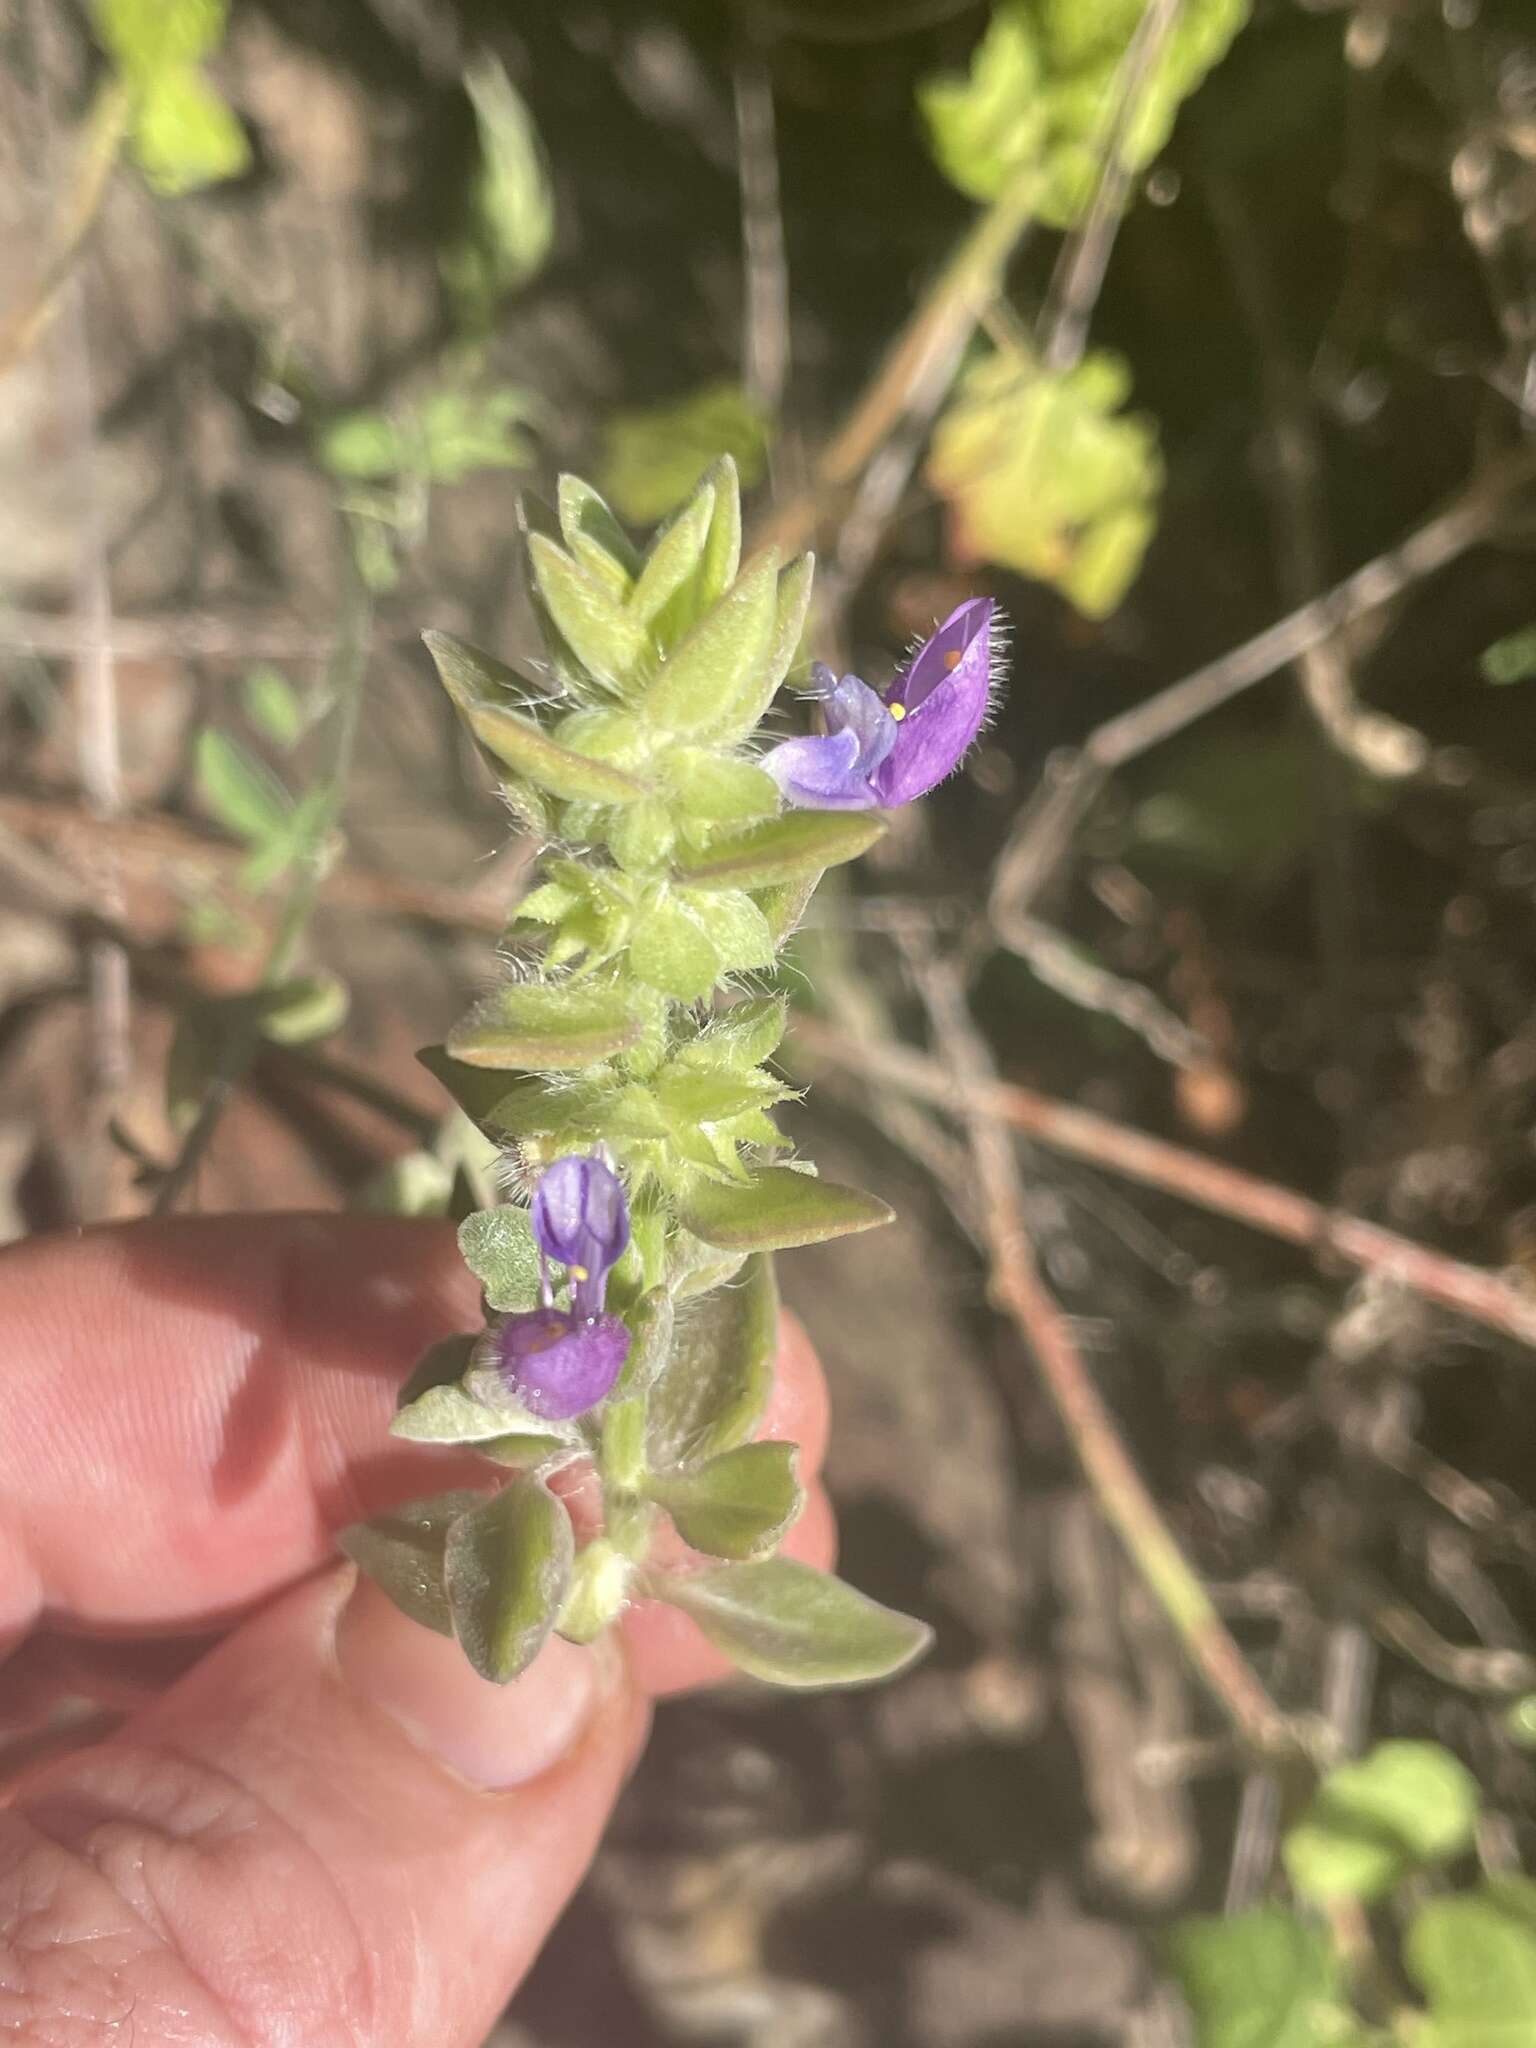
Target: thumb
{"x": 331, "y": 1831}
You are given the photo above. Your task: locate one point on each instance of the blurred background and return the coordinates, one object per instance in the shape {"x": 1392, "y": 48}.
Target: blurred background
{"x": 1205, "y": 338}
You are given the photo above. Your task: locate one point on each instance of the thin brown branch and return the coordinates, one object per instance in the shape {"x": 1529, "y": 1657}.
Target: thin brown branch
{"x": 194, "y": 636}
{"x": 1018, "y": 1290}
{"x": 1045, "y": 827}
{"x": 1472, "y": 1291}
{"x": 765, "y": 316}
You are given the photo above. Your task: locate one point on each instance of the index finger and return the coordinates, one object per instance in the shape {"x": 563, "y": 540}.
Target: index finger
{"x": 193, "y": 1408}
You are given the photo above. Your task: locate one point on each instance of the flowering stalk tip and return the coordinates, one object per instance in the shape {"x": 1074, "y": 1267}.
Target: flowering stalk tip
{"x": 880, "y": 750}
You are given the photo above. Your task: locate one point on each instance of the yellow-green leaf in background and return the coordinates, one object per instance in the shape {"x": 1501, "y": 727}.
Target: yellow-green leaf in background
{"x": 654, "y": 456}
{"x": 512, "y": 211}
{"x": 184, "y": 134}
{"x": 1042, "y": 93}
{"x": 1045, "y": 474}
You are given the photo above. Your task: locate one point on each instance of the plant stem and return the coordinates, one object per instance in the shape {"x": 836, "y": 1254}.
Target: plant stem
{"x": 1122, "y": 1494}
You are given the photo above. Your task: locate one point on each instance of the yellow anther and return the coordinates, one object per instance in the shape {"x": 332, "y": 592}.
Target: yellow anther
{"x": 897, "y": 711}
{"x": 579, "y": 1273}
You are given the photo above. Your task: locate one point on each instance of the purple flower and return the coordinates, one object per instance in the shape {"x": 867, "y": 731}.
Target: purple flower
{"x": 886, "y": 750}
{"x": 560, "y": 1362}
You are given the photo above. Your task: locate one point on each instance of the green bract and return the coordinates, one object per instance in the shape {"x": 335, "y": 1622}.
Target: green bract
{"x": 669, "y": 877}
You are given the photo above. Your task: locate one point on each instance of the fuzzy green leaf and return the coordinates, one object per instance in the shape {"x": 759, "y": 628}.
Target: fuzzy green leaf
{"x": 737, "y": 1505}
{"x": 474, "y": 1089}
{"x": 792, "y": 1626}
{"x": 1370, "y": 1823}
{"x": 1262, "y": 1979}
{"x": 609, "y": 641}
{"x": 595, "y": 537}
{"x": 506, "y": 1566}
{"x": 675, "y": 555}
{"x": 791, "y": 602}
{"x": 716, "y": 667}
{"x": 721, "y": 560}
{"x": 650, "y": 1329}
{"x": 672, "y": 950}
{"x": 741, "y": 1037}
{"x": 716, "y": 1379}
{"x": 778, "y": 1208}
{"x": 737, "y": 929}
{"x": 527, "y": 748}
{"x": 547, "y": 1028}
{"x": 402, "y": 1551}
{"x": 147, "y": 36}
{"x": 498, "y": 1248}
{"x": 694, "y": 1267}
{"x": 447, "y": 1415}
{"x": 712, "y": 789}
{"x": 798, "y": 843}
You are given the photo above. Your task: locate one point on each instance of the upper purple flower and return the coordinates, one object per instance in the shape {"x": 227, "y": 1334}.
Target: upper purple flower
{"x": 562, "y": 1361}
{"x": 886, "y": 750}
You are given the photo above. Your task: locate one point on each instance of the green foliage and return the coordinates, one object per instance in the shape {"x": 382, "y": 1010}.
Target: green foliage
{"x": 1370, "y": 1823}
{"x": 274, "y": 707}
{"x": 793, "y": 1626}
{"x": 506, "y": 1570}
{"x": 1474, "y": 1958}
{"x": 1262, "y": 1979}
{"x": 737, "y": 1505}
{"x": 653, "y": 457}
{"x": 1512, "y": 659}
{"x": 182, "y": 133}
{"x": 446, "y": 436}
{"x": 511, "y": 224}
{"x": 403, "y": 1552}
{"x": 1041, "y": 99}
{"x": 1044, "y": 473}
{"x": 667, "y": 862}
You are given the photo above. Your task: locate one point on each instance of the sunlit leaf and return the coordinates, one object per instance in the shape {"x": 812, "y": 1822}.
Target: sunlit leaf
{"x": 1370, "y": 1823}
{"x": 737, "y": 1505}
{"x": 715, "y": 1383}
{"x": 778, "y": 1208}
{"x": 792, "y": 1626}
{"x": 506, "y": 1567}
{"x": 1474, "y": 1957}
{"x": 1044, "y": 473}
{"x": 402, "y": 1551}
{"x": 1261, "y": 1979}
{"x": 512, "y": 216}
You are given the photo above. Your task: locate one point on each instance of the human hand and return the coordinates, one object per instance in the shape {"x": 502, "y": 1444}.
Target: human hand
{"x": 297, "y": 1817}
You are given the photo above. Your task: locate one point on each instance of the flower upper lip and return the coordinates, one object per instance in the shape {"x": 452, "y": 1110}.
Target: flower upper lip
{"x": 887, "y": 750}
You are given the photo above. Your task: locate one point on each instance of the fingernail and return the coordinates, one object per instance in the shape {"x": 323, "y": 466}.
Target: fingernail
{"x": 494, "y": 1735}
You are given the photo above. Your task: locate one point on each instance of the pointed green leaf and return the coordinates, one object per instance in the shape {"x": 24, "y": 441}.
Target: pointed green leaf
{"x": 675, "y": 555}
{"x": 512, "y": 220}
{"x": 498, "y": 1248}
{"x": 448, "y": 1415}
{"x": 737, "y": 1505}
{"x": 715, "y": 1383}
{"x": 471, "y": 676}
{"x": 741, "y": 1037}
{"x": 737, "y": 929}
{"x": 609, "y": 642}
{"x": 403, "y": 1552}
{"x": 506, "y": 1566}
{"x": 528, "y": 1450}
{"x": 1370, "y": 1823}
{"x": 526, "y": 748}
{"x": 672, "y": 950}
{"x": 713, "y": 789}
{"x": 777, "y": 1209}
{"x": 694, "y": 1267}
{"x": 1261, "y": 1979}
{"x": 700, "y": 685}
{"x": 547, "y": 1028}
{"x": 791, "y": 603}
{"x": 781, "y": 849}
{"x": 721, "y": 559}
{"x": 592, "y": 533}
{"x": 785, "y": 903}
{"x": 244, "y": 796}
{"x": 792, "y": 1626}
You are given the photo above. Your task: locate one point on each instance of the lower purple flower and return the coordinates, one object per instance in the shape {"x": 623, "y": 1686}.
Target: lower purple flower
{"x": 559, "y": 1365}
{"x": 886, "y": 750}
{"x": 560, "y": 1362}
